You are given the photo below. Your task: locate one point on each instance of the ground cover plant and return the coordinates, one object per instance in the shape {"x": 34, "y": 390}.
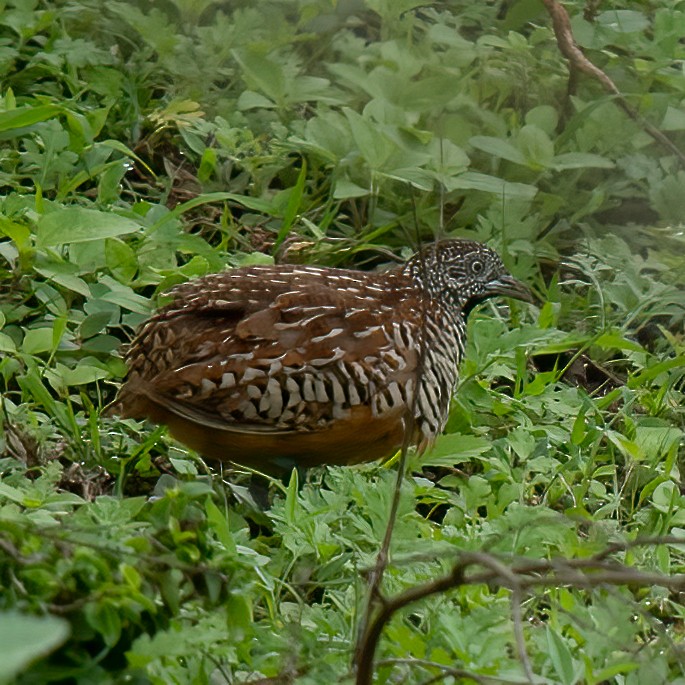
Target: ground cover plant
{"x": 543, "y": 538}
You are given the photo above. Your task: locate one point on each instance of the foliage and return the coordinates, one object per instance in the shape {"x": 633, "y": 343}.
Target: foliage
{"x": 147, "y": 143}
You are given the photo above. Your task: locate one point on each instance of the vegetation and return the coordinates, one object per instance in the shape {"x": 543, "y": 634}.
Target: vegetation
{"x": 147, "y": 143}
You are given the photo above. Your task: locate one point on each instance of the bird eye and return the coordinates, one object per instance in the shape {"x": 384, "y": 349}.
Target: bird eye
{"x": 477, "y": 266}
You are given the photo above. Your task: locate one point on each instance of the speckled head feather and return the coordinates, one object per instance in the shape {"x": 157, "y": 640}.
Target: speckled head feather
{"x": 463, "y": 273}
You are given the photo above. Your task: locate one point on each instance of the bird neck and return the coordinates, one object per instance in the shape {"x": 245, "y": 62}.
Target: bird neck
{"x": 443, "y": 339}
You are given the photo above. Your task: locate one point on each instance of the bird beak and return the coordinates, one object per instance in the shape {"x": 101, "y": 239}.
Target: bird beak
{"x": 510, "y": 287}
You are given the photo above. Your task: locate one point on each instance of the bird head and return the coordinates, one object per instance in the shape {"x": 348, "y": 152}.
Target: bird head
{"x": 464, "y": 273}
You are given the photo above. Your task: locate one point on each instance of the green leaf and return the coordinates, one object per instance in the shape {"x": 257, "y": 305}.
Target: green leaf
{"x": 472, "y": 180}
{"x": 112, "y": 291}
{"x": 262, "y": 73}
{"x": 666, "y": 496}
{"x": 561, "y": 657}
{"x": 37, "y": 341}
{"x": 105, "y": 619}
{"x": 627, "y": 447}
{"x": 12, "y": 494}
{"x": 674, "y": 119}
{"x": 656, "y": 441}
{"x": 374, "y": 146}
{"x": 293, "y": 206}
{"x": 219, "y": 523}
{"x": 614, "y": 341}
{"x": 121, "y": 259}
{"x": 27, "y": 116}
{"x": 80, "y": 375}
{"x": 346, "y": 189}
{"x": 63, "y": 274}
{"x": 522, "y": 442}
{"x": 536, "y": 146}
{"x": 581, "y": 160}
{"x": 250, "y": 100}
{"x": 455, "y": 448}
{"x": 7, "y": 344}
{"x": 26, "y": 639}
{"x": 579, "y": 429}
{"x": 77, "y": 224}
{"x": 498, "y": 148}
{"x": 292, "y": 505}
{"x": 623, "y": 21}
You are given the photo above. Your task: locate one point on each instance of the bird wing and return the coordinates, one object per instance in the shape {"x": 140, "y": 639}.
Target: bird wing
{"x": 260, "y": 350}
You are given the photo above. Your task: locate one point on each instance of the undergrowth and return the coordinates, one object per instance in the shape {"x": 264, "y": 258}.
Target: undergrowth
{"x": 147, "y": 143}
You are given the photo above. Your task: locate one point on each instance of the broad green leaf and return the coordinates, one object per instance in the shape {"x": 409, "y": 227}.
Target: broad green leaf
{"x": 674, "y": 119}
{"x": 112, "y": 291}
{"x": 418, "y": 178}
{"x": 455, "y": 448}
{"x": 522, "y": 442}
{"x": 26, "y": 639}
{"x": 472, "y": 180}
{"x": 80, "y": 375}
{"x": 250, "y": 100}
{"x": 665, "y": 497}
{"x": 27, "y": 116}
{"x": 13, "y": 494}
{"x": 121, "y": 259}
{"x": 581, "y": 160}
{"x": 94, "y": 323}
{"x": 561, "y": 657}
{"x": 544, "y": 117}
{"x": 627, "y": 447}
{"x": 623, "y": 21}
{"x": 59, "y": 273}
{"x": 498, "y": 148}
{"x": 263, "y": 74}
{"x": 345, "y": 189}
{"x": 614, "y": 341}
{"x": 104, "y": 617}
{"x": 7, "y": 344}
{"x": 656, "y": 441}
{"x": 37, "y": 341}
{"x": 18, "y": 233}
{"x": 373, "y": 145}
{"x": 77, "y": 224}
{"x": 536, "y": 146}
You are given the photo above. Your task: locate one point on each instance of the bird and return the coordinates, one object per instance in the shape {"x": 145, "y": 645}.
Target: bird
{"x": 281, "y": 366}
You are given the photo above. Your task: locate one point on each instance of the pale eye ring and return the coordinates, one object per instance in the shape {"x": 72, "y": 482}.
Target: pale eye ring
{"x": 477, "y": 266}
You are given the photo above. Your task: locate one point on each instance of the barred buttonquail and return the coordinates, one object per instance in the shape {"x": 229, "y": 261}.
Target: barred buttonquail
{"x": 281, "y": 366}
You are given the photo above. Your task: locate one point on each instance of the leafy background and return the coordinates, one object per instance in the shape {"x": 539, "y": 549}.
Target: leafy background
{"x": 144, "y": 143}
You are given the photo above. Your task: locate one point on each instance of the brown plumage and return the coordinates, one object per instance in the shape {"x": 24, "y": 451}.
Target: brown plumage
{"x": 275, "y": 366}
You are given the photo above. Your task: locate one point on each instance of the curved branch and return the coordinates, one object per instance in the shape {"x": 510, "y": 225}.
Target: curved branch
{"x": 520, "y": 575}
{"x": 579, "y": 62}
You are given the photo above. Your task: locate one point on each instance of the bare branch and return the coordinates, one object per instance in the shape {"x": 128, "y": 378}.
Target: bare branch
{"x": 579, "y": 62}
{"x": 520, "y": 575}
